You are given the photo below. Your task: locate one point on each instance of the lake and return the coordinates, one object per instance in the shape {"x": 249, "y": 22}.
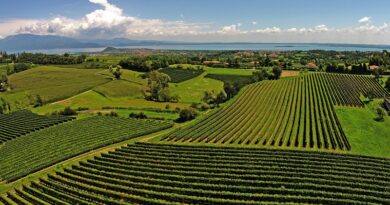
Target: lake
{"x": 232, "y": 46}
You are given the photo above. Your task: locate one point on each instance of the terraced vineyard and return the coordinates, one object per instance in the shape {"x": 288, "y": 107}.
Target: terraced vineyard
{"x": 181, "y": 75}
{"x": 22, "y": 122}
{"x": 43, "y": 148}
{"x": 165, "y": 174}
{"x": 293, "y": 112}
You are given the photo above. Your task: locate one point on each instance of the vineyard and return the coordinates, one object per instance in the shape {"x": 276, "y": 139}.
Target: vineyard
{"x": 238, "y": 79}
{"x": 181, "y": 75}
{"x": 43, "y": 148}
{"x": 293, "y": 112}
{"x": 22, "y": 122}
{"x": 165, "y": 174}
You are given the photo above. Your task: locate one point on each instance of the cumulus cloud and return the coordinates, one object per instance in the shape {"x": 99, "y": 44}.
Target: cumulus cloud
{"x": 110, "y": 21}
{"x": 365, "y": 20}
{"x": 234, "y": 28}
{"x": 254, "y": 22}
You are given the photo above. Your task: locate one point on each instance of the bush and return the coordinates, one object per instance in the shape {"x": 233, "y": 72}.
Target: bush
{"x": 140, "y": 115}
{"x": 112, "y": 114}
{"x": 187, "y": 114}
{"x": 66, "y": 112}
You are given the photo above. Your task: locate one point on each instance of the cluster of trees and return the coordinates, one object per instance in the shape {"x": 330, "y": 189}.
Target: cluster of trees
{"x": 157, "y": 61}
{"x": 7, "y": 58}
{"x": 44, "y": 59}
{"x": 158, "y": 88}
{"x": 213, "y": 98}
{"x": 4, "y": 83}
{"x": 387, "y": 84}
{"x": 116, "y": 71}
{"x": 360, "y": 68}
{"x": 187, "y": 114}
{"x": 140, "y": 115}
{"x": 5, "y": 107}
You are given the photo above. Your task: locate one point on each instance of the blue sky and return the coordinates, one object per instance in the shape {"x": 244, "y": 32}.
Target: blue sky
{"x": 202, "y": 20}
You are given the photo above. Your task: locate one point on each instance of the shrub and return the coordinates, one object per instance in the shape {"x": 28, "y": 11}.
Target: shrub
{"x": 67, "y": 112}
{"x": 187, "y": 114}
{"x": 140, "y": 115}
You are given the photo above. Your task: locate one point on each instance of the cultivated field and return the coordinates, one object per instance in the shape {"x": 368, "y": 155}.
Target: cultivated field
{"x": 180, "y": 75}
{"x": 51, "y": 83}
{"x": 161, "y": 174}
{"x": 40, "y": 149}
{"x": 20, "y": 123}
{"x": 293, "y": 112}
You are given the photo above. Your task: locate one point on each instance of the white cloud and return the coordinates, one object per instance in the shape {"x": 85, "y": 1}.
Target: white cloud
{"x": 269, "y": 30}
{"x": 234, "y": 28}
{"x": 321, "y": 28}
{"x": 110, "y": 21}
{"x": 365, "y": 20}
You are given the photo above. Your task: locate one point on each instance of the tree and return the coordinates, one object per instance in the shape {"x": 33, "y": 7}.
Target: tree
{"x": 4, "y": 83}
{"x": 67, "y": 112}
{"x": 4, "y": 106}
{"x": 277, "y": 71}
{"x": 158, "y": 88}
{"x": 380, "y": 114}
{"x": 209, "y": 97}
{"x": 187, "y": 114}
{"x": 377, "y": 74}
{"x": 38, "y": 102}
{"x": 116, "y": 71}
{"x": 231, "y": 89}
{"x": 370, "y": 95}
{"x": 221, "y": 98}
{"x": 260, "y": 75}
{"x": 387, "y": 84}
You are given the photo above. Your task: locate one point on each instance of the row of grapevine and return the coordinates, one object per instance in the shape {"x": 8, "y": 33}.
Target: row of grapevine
{"x": 22, "y": 122}
{"x": 169, "y": 174}
{"x": 43, "y": 148}
{"x": 180, "y": 75}
{"x": 293, "y": 112}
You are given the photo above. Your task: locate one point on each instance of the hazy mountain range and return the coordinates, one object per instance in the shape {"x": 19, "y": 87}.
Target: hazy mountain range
{"x": 27, "y": 42}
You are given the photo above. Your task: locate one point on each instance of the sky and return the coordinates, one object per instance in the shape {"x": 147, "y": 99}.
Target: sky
{"x": 319, "y": 21}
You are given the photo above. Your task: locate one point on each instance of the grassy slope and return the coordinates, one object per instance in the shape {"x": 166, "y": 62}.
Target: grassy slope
{"x": 51, "y": 83}
{"x": 366, "y": 136}
{"x": 193, "y": 90}
{"x": 127, "y": 93}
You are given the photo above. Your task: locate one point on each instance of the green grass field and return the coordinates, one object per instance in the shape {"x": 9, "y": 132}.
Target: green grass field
{"x": 51, "y": 83}
{"x": 193, "y": 90}
{"x": 367, "y": 136}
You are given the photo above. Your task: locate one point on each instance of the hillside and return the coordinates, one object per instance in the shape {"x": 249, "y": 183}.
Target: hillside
{"x": 296, "y": 112}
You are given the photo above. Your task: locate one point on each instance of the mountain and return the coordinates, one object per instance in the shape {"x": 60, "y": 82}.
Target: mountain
{"x": 122, "y": 42}
{"x": 25, "y": 42}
